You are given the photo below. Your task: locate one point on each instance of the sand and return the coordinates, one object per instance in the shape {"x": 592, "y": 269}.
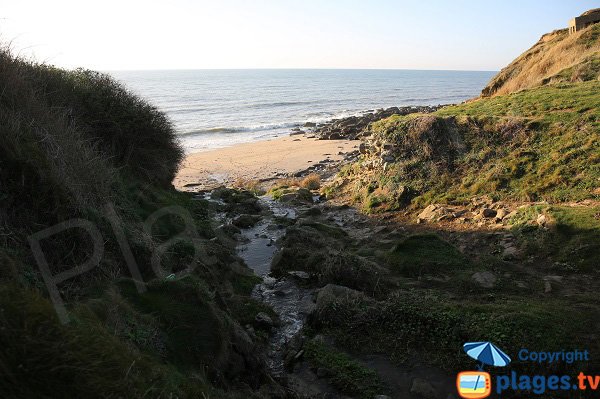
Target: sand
{"x": 261, "y": 160}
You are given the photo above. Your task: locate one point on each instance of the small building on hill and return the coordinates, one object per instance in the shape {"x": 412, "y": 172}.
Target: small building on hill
{"x": 584, "y": 20}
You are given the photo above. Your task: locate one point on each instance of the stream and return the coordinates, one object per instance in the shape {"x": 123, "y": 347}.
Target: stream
{"x": 290, "y": 302}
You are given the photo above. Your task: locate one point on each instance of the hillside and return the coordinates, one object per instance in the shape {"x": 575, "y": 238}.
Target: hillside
{"x": 473, "y": 222}
{"x": 149, "y": 316}
{"x": 556, "y": 57}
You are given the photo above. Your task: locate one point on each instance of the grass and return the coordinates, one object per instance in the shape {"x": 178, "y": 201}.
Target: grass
{"x": 414, "y": 323}
{"x": 538, "y": 144}
{"x": 571, "y": 241}
{"x": 558, "y": 56}
{"x": 346, "y": 374}
{"x": 71, "y": 143}
{"x": 41, "y": 357}
{"x": 425, "y": 254}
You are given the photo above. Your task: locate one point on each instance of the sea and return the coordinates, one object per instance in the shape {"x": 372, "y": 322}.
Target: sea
{"x": 219, "y": 108}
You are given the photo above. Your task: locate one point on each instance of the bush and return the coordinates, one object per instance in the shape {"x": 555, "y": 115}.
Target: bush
{"x": 311, "y": 182}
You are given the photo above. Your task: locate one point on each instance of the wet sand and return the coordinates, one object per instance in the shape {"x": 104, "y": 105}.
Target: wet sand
{"x": 261, "y": 160}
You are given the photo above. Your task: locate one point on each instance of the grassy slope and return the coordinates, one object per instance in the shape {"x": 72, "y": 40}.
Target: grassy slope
{"x": 72, "y": 142}
{"x": 541, "y": 143}
{"x": 556, "y": 57}
{"x": 538, "y": 144}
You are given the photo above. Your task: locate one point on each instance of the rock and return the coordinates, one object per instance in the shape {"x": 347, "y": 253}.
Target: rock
{"x": 382, "y": 397}
{"x": 404, "y": 195}
{"x": 310, "y": 124}
{"x": 299, "y": 274}
{"x": 355, "y": 127}
{"x": 501, "y": 214}
{"x": 362, "y": 148}
{"x": 296, "y": 195}
{"x": 428, "y": 213}
{"x": 541, "y": 220}
{"x": 263, "y": 320}
{"x": 331, "y": 292}
{"x": 547, "y": 287}
{"x": 312, "y": 211}
{"x": 510, "y": 252}
{"x": 485, "y": 279}
{"x": 434, "y": 213}
{"x": 245, "y": 221}
{"x": 488, "y": 213}
{"x": 521, "y": 284}
{"x": 423, "y": 388}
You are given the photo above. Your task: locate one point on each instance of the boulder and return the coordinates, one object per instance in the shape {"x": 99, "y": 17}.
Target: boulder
{"x": 245, "y": 221}
{"x": 510, "y": 252}
{"x": 332, "y": 292}
{"x": 501, "y": 214}
{"x": 541, "y": 220}
{"x": 485, "y": 279}
{"x": 263, "y": 320}
{"x": 300, "y": 275}
{"x": 488, "y": 213}
{"x": 434, "y": 213}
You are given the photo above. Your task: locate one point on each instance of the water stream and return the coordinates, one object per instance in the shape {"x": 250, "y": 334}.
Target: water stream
{"x": 291, "y": 302}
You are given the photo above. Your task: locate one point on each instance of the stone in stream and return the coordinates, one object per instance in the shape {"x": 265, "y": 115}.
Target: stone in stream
{"x": 264, "y": 320}
{"x": 299, "y": 274}
{"x": 245, "y": 221}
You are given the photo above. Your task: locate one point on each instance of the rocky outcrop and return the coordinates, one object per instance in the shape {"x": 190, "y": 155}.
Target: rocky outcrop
{"x": 355, "y": 127}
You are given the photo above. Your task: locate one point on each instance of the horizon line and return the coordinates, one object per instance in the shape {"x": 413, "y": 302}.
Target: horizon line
{"x": 294, "y": 69}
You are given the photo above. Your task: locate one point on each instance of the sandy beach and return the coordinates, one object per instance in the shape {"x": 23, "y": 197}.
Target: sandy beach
{"x": 260, "y": 160}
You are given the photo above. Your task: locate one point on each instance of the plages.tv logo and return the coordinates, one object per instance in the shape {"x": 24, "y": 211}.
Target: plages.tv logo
{"x": 478, "y": 384}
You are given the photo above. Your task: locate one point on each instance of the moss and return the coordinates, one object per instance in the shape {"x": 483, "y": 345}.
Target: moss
{"x": 244, "y": 310}
{"x": 331, "y": 231}
{"x": 43, "y": 358}
{"x": 300, "y": 194}
{"x": 243, "y": 285}
{"x": 417, "y": 255}
{"x": 196, "y": 332}
{"x": 347, "y": 375}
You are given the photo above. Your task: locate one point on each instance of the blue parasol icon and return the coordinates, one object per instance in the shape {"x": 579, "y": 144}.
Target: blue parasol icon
{"x": 486, "y": 353}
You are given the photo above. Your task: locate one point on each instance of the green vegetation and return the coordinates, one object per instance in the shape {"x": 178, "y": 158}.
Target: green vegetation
{"x": 345, "y": 373}
{"x": 533, "y": 136}
{"x": 291, "y": 193}
{"x": 539, "y": 144}
{"x": 72, "y": 145}
{"x": 571, "y": 241}
{"x": 425, "y": 254}
{"x": 429, "y": 325}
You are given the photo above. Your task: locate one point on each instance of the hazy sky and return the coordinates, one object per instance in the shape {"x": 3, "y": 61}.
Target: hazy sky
{"x": 187, "y": 34}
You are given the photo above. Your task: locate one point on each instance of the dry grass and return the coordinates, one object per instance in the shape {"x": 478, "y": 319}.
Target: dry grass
{"x": 253, "y": 185}
{"x": 543, "y": 63}
{"x": 311, "y": 182}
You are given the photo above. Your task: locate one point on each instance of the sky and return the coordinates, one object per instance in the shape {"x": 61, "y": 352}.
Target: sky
{"x": 197, "y": 34}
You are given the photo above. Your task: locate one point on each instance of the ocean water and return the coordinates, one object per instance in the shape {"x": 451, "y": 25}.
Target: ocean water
{"x": 219, "y": 108}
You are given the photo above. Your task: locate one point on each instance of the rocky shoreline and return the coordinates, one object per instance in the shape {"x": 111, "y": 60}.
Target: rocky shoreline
{"x": 356, "y": 126}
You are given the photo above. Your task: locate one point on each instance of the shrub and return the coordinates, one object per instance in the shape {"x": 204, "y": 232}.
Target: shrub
{"x": 311, "y": 182}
